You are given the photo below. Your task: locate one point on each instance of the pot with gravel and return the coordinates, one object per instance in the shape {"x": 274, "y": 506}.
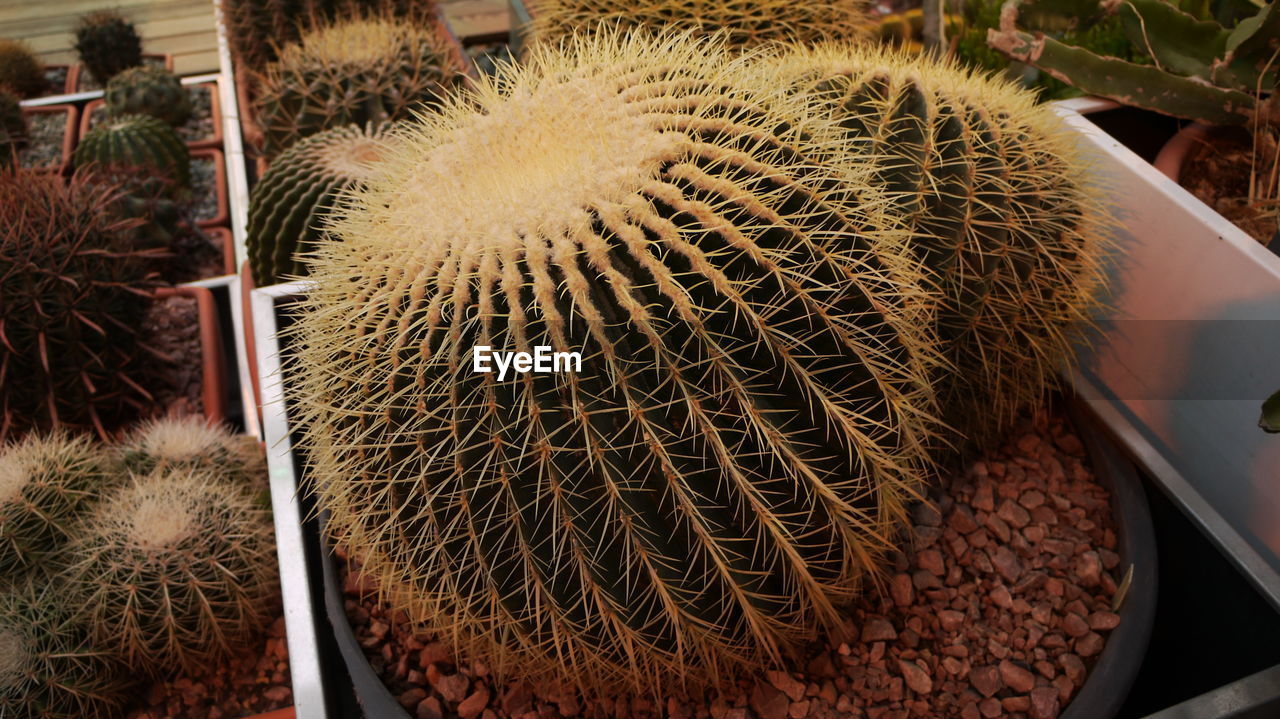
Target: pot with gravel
{"x": 209, "y": 187}
{"x": 51, "y": 138}
{"x": 202, "y": 130}
{"x": 205, "y": 373}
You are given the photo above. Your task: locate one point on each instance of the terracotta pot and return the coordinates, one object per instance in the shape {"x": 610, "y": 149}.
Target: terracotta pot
{"x": 77, "y": 70}
{"x": 68, "y": 137}
{"x": 228, "y": 248}
{"x": 220, "y": 168}
{"x": 213, "y": 390}
{"x": 214, "y": 140}
{"x": 1177, "y": 151}
{"x": 65, "y": 87}
{"x": 250, "y": 349}
{"x": 286, "y": 713}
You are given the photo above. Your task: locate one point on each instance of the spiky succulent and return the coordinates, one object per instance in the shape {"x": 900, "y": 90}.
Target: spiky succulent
{"x": 290, "y": 202}
{"x": 735, "y": 449}
{"x": 190, "y": 443}
{"x": 1004, "y": 217}
{"x": 20, "y": 70}
{"x": 746, "y": 23}
{"x": 46, "y": 483}
{"x": 130, "y": 143}
{"x": 12, "y": 120}
{"x": 176, "y": 570}
{"x": 353, "y": 73}
{"x": 74, "y": 293}
{"x": 48, "y": 667}
{"x": 146, "y": 90}
{"x": 107, "y": 44}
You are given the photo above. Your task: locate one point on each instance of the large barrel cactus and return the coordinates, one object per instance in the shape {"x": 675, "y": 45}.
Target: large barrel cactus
{"x": 300, "y": 188}
{"x": 1004, "y": 217}
{"x": 736, "y": 448}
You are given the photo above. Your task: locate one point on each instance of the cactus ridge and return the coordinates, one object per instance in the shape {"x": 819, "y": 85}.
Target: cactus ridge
{"x": 748, "y": 422}
{"x": 299, "y": 190}
{"x": 1010, "y": 232}
{"x": 175, "y": 571}
{"x": 151, "y": 91}
{"x": 131, "y": 143}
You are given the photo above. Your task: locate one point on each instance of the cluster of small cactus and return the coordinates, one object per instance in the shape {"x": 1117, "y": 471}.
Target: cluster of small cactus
{"x": 744, "y": 23}
{"x": 191, "y": 444}
{"x": 146, "y": 90}
{"x": 355, "y": 72}
{"x": 136, "y": 142}
{"x": 107, "y": 44}
{"x": 74, "y": 293}
{"x": 45, "y": 485}
{"x": 301, "y": 188}
{"x": 20, "y": 70}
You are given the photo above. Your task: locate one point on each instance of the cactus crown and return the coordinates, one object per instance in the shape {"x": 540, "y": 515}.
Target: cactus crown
{"x": 191, "y": 443}
{"x": 15, "y": 657}
{"x": 735, "y": 451}
{"x": 20, "y": 69}
{"x": 107, "y": 44}
{"x": 46, "y": 482}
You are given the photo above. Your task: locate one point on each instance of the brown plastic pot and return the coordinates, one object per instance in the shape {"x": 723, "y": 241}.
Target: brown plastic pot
{"x": 68, "y": 136}
{"x": 286, "y": 713}
{"x": 220, "y": 169}
{"x": 77, "y": 70}
{"x": 212, "y": 392}
{"x": 214, "y": 140}
{"x": 1175, "y": 154}
{"x": 250, "y": 346}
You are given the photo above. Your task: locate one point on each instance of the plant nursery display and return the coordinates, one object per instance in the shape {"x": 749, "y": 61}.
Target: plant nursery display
{"x": 148, "y": 91}
{"x": 300, "y": 189}
{"x": 107, "y": 44}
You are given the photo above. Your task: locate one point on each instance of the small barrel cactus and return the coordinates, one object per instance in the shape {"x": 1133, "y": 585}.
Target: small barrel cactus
{"x": 107, "y": 44}
{"x": 745, "y": 23}
{"x": 20, "y": 70}
{"x": 46, "y": 483}
{"x": 733, "y": 450}
{"x": 1009, "y": 228}
{"x": 74, "y": 293}
{"x": 299, "y": 190}
{"x": 353, "y": 73}
{"x": 191, "y": 443}
{"x": 175, "y": 571}
{"x": 48, "y": 667}
{"x": 136, "y": 142}
{"x": 256, "y": 29}
{"x": 148, "y": 91}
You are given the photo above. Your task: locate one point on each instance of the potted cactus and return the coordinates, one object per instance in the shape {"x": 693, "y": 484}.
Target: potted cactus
{"x": 192, "y": 109}
{"x": 108, "y": 44}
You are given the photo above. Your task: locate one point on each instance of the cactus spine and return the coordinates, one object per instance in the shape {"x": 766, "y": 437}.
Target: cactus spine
{"x": 1009, "y": 229}
{"x": 107, "y": 44}
{"x": 20, "y": 70}
{"x": 131, "y": 143}
{"x": 148, "y": 91}
{"x": 353, "y": 73}
{"x": 45, "y": 484}
{"x": 299, "y": 190}
{"x": 175, "y": 571}
{"x": 192, "y": 444}
{"x": 736, "y": 450}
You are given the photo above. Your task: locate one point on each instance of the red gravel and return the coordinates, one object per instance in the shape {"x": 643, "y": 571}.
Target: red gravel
{"x": 998, "y": 611}
{"x": 172, "y": 327}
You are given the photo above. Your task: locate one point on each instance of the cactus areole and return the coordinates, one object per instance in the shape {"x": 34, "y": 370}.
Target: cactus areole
{"x": 734, "y": 452}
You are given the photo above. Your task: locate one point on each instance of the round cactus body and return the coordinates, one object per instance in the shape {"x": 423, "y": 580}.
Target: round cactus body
{"x": 190, "y": 443}
{"x": 20, "y": 70}
{"x": 48, "y": 668}
{"x": 46, "y": 483}
{"x": 299, "y": 190}
{"x": 150, "y": 91}
{"x": 12, "y": 121}
{"x": 177, "y": 570}
{"x": 353, "y": 73}
{"x": 745, "y": 23}
{"x": 107, "y": 44}
{"x": 133, "y": 143}
{"x": 1008, "y": 224}
{"x": 735, "y": 447}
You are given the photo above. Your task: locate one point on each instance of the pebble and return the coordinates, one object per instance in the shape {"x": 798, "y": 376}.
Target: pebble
{"x": 878, "y": 629}
{"x": 917, "y": 679}
{"x": 1016, "y": 677}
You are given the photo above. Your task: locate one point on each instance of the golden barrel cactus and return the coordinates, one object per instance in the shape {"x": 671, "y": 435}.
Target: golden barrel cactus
{"x": 746, "y": 425}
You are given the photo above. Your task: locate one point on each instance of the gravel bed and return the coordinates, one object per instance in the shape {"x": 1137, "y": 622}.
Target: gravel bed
{"x": 198, "y": 127}
{"x": 45, "y": 134}
{"x": 999, "y": 609}
{"x": 196, "y": 255}
{"x": 87, "y": 81}
{"x": 56, "y": 77}
{"x": 204, "y": 188}
{"x": 172, "y": 327}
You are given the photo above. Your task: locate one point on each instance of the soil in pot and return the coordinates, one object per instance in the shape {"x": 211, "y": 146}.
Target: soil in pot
{"x": 198, "y": 127}
{"x": 195, "y": 255}
{"x": 1219, "y": 171}
{"x": 204, "y": 188}
{"x": 999, "y": 608}
{"x": 172, "y": 327}
{"x": 46, "y": 132}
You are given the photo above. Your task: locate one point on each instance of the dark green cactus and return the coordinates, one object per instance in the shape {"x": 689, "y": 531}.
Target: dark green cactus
{"x": 151, "y": 91}
{"x": 293, "y": 198}
{"x": 20, "y": 70}
{"x": 136, "y": 142}
{"x": 354, "y": 73}
{"x": 12, "y": 120}
{"x": 48, "y": 666}
{"x": 107, "y": 44}
{"x": 74, "y": 293}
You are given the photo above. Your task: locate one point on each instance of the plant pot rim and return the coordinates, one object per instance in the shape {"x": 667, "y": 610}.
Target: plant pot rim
{"x": 228, "y": 248}
{"x": 1177, "y": 152}
{"x": 285, "y": 713}
{"x": 77, "y": 69}
{"x": 220, "y": 183}
{"x": 213, "y": 141}
{"x": 212, "y": 391}
{"x": 68, "y": 136}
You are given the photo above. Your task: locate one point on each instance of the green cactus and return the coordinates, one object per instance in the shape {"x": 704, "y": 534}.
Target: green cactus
{"x": 257, "y": 28}
{"x": 175, "y": 571}
{"x": 192, "y": 444}
{"x": 353, "y": 73}
{"x": 136, "y": 142}
{"x": 290, "y": 202}
{"x": 107, "y": 44}
{"x": 12, "y": 120}
{"x": 1005, "y": 221}
{"x": 46, "y": 483}
{"x": 48, "y": 668}
{"x": 1202, "y": 70}
{"x": 20, "y": 70}
{"x": 148, "y": 91}
{"x": 74, "y": 294}
{"x": 735, "y": 449}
